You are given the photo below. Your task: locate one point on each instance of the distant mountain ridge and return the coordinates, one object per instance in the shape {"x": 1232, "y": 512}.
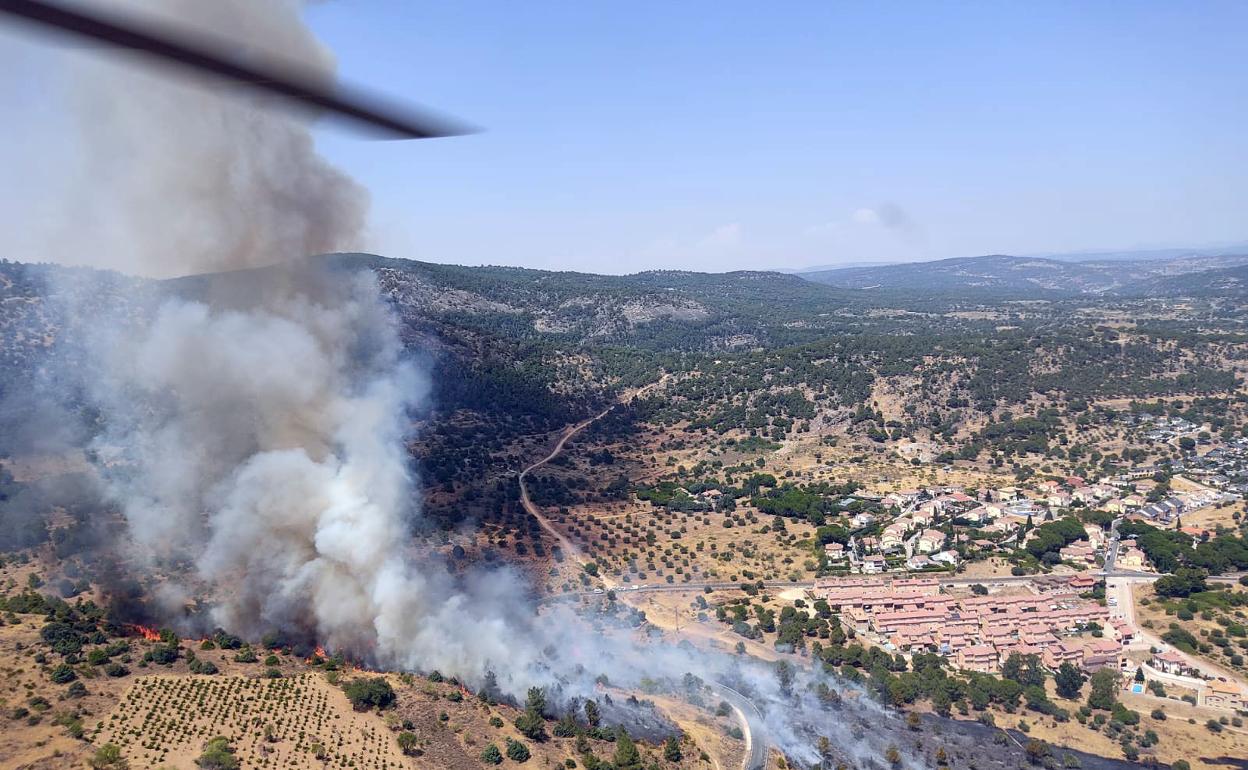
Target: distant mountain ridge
{"x": 1044, "y": 277}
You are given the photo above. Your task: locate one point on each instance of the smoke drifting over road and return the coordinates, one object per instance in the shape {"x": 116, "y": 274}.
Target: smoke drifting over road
{"x": 254, "y": 424}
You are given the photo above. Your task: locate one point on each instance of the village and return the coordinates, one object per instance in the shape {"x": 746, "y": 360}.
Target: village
{"x": 910, "y": 577}
{"x": 931, "y": 528}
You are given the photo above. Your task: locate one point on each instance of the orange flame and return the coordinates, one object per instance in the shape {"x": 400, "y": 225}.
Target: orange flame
{"x": 317, "y": 654}
{"x": 150, "y": 634}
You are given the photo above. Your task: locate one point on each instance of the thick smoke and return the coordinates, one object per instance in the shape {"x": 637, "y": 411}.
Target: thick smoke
{"x": 254, "y": 425}
{"x": 186, "y": 175}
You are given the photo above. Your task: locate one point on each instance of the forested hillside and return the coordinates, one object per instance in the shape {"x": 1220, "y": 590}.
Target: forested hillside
{"x": 515, "y": 353}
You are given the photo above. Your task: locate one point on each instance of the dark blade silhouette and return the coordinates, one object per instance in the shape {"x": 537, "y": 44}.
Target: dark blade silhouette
{"x": 197, "y": 55}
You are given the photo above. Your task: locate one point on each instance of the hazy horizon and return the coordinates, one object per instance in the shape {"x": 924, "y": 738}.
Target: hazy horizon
{"x": 719, "y": 137}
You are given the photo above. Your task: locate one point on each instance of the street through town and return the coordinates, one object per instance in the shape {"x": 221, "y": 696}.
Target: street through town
{"x": 1119, "y": 591}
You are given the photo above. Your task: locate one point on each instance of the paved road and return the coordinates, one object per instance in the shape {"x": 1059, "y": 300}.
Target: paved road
{"x": 1134, "y": 575}
{"x": 1111, "y": 548}
{"x": 751, "y": 725}
{"x": 747, "y": 713}
{"x": 1124, "y": 590}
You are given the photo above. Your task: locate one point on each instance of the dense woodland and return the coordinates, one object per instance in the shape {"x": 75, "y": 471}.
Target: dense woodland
{"x": 517, "y": 353}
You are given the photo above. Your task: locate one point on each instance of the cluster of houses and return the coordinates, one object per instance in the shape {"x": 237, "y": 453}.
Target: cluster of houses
{"x": 1161, "y": 428}
{"x": 979, "y": 633}
{"x": 909, "y": 538}
{"x": 1224, "y": 467}
{"x": 1214, "y": 693}
{"x": 929, "y": 528}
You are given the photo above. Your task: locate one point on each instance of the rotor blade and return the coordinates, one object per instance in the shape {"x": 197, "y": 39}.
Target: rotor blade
{"x": 285, "y": 81}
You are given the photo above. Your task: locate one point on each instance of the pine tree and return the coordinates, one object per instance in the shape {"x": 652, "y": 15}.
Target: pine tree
{"x": 517, "y": 751}
{"x": 626, "y": 755}
{"x": 671, "y": 749}
{"x": 1069, "y": 680}
{"x": 491, "y": 755}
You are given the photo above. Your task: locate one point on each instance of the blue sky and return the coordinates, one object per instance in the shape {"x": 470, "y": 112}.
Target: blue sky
{"x": 725, "y": 135}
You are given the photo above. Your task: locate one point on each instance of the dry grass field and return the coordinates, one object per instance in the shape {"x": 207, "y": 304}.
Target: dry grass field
{"x": 1208, "y": 618}
{"x": 289, "y": 722}
{"x": 1182, "y": 734}
{"x": 638, "y": 544}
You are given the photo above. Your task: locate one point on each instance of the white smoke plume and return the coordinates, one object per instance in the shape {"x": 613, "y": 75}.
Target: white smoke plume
{"x": 255, "y": 433}
{"x": 188, "y": 176}
{"x": 254, "y": 427}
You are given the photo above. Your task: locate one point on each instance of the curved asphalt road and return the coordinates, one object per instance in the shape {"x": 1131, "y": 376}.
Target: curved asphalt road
{"x": 751, "y": 725}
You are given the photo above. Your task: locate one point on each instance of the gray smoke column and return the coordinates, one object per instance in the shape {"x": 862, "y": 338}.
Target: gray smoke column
{"x": 256, "y": 421}
{"x": 187, "y": 176}
{"x": 264, "y": 446}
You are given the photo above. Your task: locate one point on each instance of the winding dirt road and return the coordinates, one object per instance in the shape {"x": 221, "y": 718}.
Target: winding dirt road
{"x": 747, "y": 713}
{"x": 568, "y": 547}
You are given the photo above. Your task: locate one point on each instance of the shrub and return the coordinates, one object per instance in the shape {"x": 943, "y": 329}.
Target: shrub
{"x": 164, "y": 654}
{"x": 206, "y": 667}
{"x": 63, "y": 674}
{"x": 108, "y": 757}
{"x": 218, "y": 755}
{"x": 531, "y": 725}
{"x": 72, "y": 724}
{"x": 491, "y": 755}
{"x": 517, "y": 751}
{"x": 409, "y": 743}
{"x": 62, "y": 638}
{"x": 1037, "y": 750}
{"x": 369, "y": 692}
{"x": 671, "y": 749}
{"x": 1124, "y": 715}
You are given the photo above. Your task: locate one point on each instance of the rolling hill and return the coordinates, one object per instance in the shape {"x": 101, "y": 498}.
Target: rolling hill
{"x": 1001, "y": 275}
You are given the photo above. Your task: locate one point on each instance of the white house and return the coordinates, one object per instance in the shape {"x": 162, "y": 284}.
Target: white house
{"x": 931, "y": 540}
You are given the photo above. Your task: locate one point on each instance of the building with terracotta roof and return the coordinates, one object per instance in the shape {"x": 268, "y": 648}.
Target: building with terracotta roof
{"x": 1102, "y": 653}
{"x": 1063, "y": 652}
{"x": 1224, "y": 695}
{"x": 980, "y": 657}
{"x": 1172, "y": 662}
{"x": 931, "y": 540}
